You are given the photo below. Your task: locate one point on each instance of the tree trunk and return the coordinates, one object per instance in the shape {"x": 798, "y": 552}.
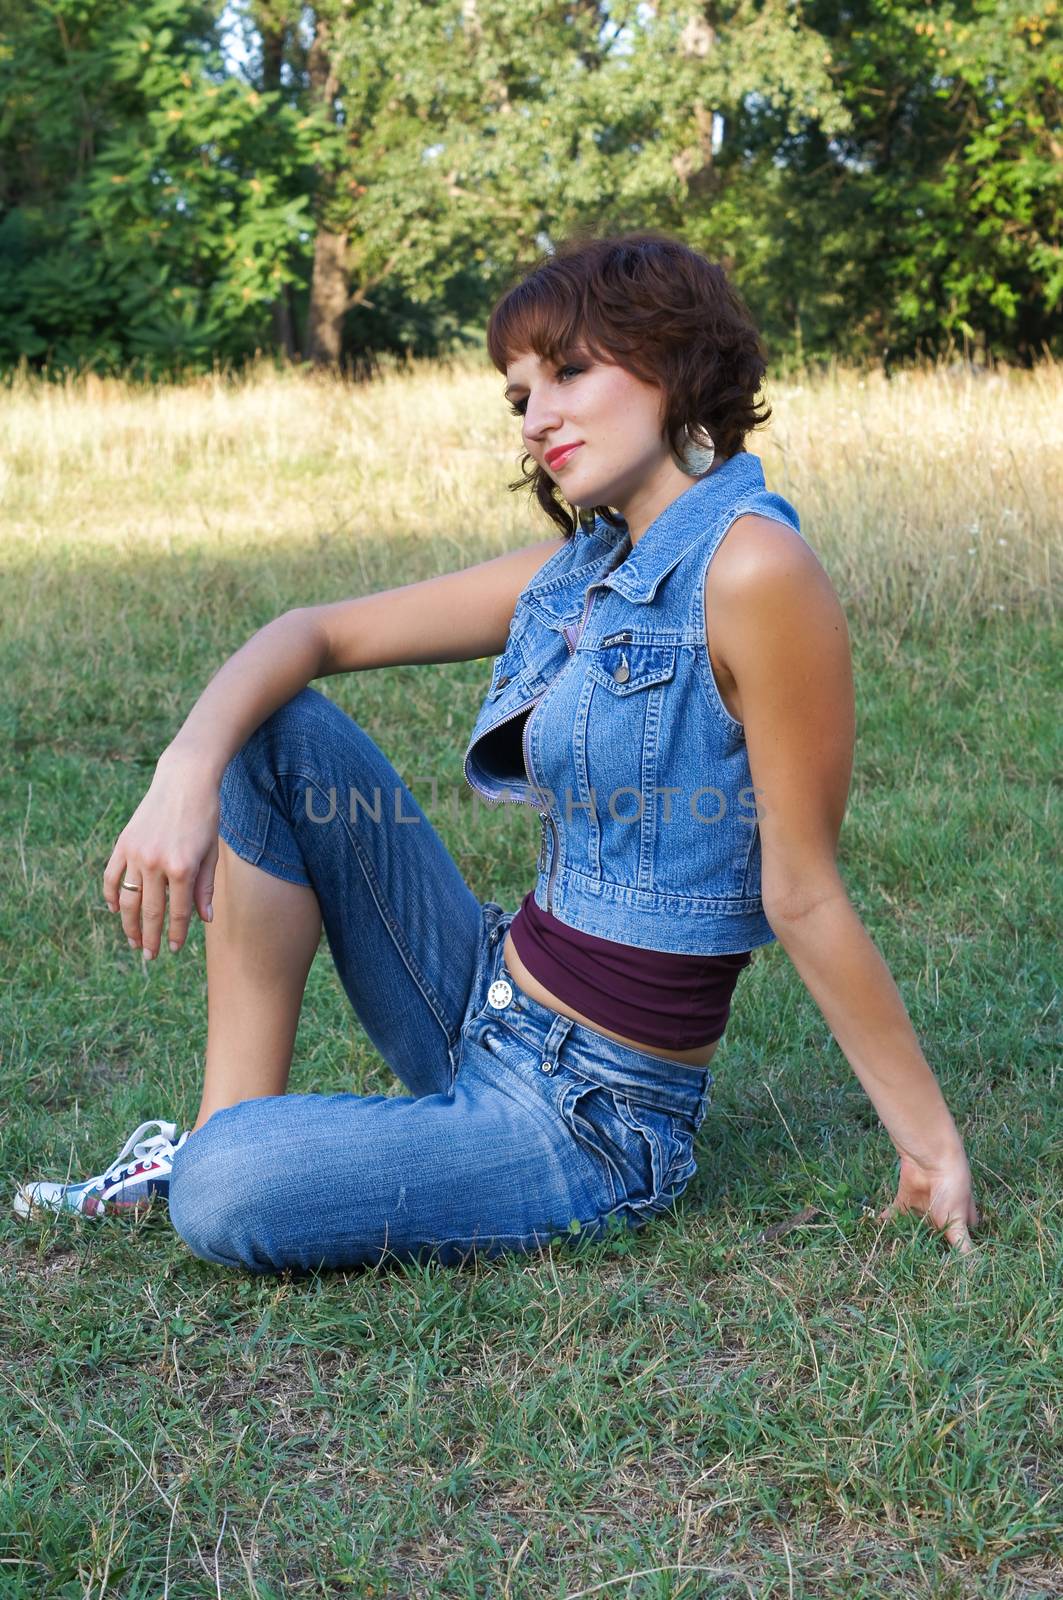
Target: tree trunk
{"x": 695, "y": 164}
{"x": 272, "y": 34}
{"x": 276, "y": 28}
{"x": 330, "y": 279}
{"x": 328, "y": 299}
{"x": 284, "y": 324}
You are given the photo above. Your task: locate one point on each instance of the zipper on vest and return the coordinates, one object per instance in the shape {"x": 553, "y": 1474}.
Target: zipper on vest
{"x": 553, "y": 866}
{"x": 500, "y": 794}
{"x": 529, "y": 707}
{"x": 544, "y": 816}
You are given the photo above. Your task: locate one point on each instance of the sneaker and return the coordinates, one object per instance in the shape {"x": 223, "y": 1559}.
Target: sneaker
{"x": 139, "y": 1172}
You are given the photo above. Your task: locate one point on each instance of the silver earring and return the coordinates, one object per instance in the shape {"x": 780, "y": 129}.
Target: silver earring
{"x": 696, "y": 453}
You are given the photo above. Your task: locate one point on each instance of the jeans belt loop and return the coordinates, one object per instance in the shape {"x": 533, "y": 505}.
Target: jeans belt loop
{"x": 556, "y": 1035}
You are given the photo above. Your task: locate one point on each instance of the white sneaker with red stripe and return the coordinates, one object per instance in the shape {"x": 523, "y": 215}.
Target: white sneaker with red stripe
{"x": 139, "y": 1174}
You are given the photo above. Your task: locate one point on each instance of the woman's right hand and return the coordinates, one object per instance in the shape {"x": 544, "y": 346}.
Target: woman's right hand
{"x": 170, "y": 843}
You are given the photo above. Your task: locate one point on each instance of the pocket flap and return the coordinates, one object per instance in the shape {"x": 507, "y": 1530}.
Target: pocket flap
{"x": 625, "y": 668}
{"x": 509, "y": 665}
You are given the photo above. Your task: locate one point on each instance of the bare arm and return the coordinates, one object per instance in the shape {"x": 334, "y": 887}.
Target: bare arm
{"x": 169, "y": 847}
{"x": 459, "y": 616}
{"x": 780, "y": 631}
{"x": 265, "y": 673}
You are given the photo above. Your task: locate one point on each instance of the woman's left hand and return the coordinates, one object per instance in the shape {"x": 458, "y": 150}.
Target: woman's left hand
{"x": 940, "y": 1191}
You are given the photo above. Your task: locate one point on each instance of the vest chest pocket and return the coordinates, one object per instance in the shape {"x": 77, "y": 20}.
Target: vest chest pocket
{"x": 533, "y": 653}
{"x": 626, "y": 668}
{"x": 508, "y": 666}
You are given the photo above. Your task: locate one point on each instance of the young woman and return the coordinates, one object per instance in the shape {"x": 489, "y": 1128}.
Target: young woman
{"x": 672, "y": 692}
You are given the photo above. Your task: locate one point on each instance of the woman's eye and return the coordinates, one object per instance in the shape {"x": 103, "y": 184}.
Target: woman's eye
{"x": 519, "y": 407}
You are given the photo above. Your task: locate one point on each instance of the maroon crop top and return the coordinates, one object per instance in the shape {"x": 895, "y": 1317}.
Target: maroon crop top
{"x": 675, "y": 1001}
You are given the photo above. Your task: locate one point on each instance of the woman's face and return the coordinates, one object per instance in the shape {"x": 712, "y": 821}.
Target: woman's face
{"x": 614, "y": 424}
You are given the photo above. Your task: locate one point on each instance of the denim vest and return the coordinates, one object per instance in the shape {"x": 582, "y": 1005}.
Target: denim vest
{"x": 639, "y": 773}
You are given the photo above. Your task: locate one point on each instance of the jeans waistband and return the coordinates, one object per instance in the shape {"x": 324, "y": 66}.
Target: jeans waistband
{"x": 649, "y": 1080}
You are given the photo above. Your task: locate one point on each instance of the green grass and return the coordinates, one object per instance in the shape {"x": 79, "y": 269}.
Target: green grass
{"x": 721, "y": 1406}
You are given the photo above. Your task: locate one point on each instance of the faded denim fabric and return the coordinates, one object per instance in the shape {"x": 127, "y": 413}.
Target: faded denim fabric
{"x": 639, "y": 773}
{"x": 519, "y": 1126}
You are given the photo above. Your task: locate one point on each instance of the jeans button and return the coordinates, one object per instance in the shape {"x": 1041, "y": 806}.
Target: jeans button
{"x": 546, "y": 1066}
{"x": 499, "y": 995}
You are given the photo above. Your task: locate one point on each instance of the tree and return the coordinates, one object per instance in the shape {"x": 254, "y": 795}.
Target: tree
{"x": 930, "y": 214}
{"x": 187, "y": 179}
{"x": 152, "y": 202}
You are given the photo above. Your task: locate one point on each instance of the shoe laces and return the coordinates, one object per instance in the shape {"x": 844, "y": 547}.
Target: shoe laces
{"x": 140, "y": 1146}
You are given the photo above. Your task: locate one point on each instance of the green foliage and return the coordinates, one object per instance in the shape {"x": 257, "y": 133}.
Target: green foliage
{"x": 889, "y": 179}
{"x": 153, "y": 203}
{"x": 882, "y": 179}
{"x": 953, "y": 161}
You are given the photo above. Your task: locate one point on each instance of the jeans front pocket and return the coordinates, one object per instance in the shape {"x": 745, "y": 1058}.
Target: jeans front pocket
{"x": 630, "y": 1149}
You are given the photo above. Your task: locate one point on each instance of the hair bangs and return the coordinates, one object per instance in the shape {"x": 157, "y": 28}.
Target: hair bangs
{"x": 541, "y": 315}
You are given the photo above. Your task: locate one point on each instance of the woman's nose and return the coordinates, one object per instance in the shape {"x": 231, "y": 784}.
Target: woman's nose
{"x": 540, "y": 417}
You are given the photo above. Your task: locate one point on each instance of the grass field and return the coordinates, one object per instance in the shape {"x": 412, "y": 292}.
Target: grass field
{"x": 726, "y": 1405}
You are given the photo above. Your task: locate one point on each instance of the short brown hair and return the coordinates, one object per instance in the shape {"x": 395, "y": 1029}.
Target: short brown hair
{"x": 650, "y": 304}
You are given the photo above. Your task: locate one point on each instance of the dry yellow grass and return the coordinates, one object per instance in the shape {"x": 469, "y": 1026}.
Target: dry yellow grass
{"x": 929, "y": 495}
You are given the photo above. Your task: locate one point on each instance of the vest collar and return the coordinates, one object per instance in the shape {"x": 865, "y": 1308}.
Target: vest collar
{"x": 681, "y": 524}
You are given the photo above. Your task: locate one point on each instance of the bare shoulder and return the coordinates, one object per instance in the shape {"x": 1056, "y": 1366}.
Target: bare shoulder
{"x": 772, "y": 611}
{"x": 764, "y": 575}
{"x": 755, "y": 545}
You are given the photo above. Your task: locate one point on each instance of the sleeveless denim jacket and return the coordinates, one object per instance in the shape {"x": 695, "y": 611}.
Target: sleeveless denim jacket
{"x": 604, "y": 697}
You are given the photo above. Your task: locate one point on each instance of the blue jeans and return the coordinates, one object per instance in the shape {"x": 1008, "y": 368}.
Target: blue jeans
{"x": 520, "y": 1127}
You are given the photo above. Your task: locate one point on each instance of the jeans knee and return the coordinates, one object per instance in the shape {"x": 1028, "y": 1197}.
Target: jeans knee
{"x": 272, "y": 768}
{"x": 211, "y": 1203}
{"x": 309, "y": 702}
{"x": 293, "y": 725}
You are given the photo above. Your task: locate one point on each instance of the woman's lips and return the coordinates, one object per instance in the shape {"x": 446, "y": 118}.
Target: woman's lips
{"x": 557, "y": 458}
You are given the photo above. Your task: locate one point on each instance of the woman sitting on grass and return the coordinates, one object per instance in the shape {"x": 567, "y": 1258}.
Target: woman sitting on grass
{"x": 673, "y": 694}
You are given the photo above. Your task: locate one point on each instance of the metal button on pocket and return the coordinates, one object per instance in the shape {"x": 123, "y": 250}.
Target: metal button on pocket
{"x": 546, "y": 1066}
{"x": 500, "y": 994}
{"x": 622, "y": 672}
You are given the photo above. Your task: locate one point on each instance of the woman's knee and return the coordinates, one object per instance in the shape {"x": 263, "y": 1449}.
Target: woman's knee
{"x": 308, "y": 704}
